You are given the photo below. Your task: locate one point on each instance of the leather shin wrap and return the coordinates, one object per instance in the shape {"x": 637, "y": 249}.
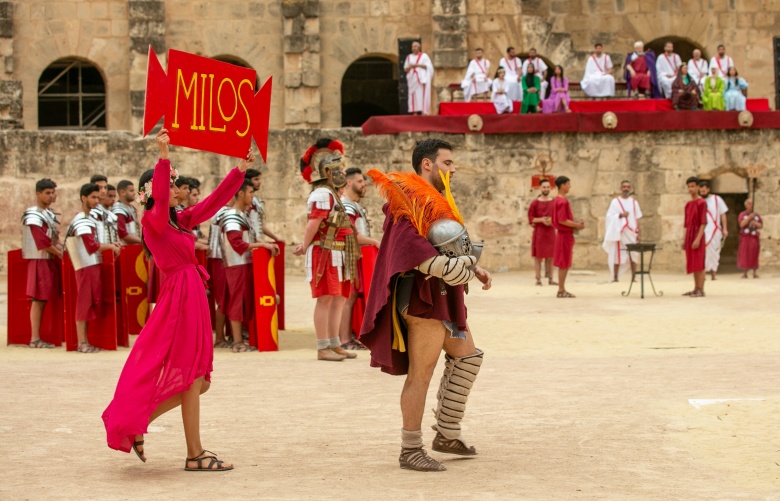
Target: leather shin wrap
{"x": 454, "y": 389}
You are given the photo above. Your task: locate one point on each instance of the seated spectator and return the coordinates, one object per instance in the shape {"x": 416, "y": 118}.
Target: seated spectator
{"x": 598, "y": 81}
{"x": 499, "y": 95}
{"x": 685, "y": 91}
{"x": 559, "y": 93}
{"x": 531, "y": 84}
{"x": 712, "y": 95}
{"x": 734, "y": 95}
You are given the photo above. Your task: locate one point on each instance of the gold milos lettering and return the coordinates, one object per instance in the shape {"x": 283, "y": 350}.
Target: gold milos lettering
{"x": 248, "y": 121}
{"x": 211, "y": 106}
{"x": 187, "y": 92}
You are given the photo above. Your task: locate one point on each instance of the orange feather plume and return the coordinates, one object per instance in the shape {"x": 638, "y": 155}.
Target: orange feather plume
{"x": 412, "y": 197}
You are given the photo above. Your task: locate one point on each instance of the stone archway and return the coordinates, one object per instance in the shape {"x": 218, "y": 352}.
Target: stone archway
{"x": 731, "y": 184}
{"x": 682, "y": 46}
{"x": 369, "y": 88}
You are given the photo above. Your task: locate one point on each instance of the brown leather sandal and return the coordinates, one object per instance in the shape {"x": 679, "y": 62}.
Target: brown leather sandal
{"x": 213, "y": 461}
{"x": 138, "y": 452}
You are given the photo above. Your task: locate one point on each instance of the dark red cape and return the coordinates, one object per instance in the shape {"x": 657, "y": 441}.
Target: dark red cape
{"x": 402, "y": 250}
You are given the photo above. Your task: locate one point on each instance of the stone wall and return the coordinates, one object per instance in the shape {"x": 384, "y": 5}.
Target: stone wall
{"x": 492, "y": 184}
{"x": 308, "y": 45}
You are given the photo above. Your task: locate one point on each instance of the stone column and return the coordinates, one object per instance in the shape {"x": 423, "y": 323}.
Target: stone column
{"x": 147, "y": 27}
{"x": 302, "y": 73}
{"x": 10, "y": 89}
{"x": 449, "y": 50}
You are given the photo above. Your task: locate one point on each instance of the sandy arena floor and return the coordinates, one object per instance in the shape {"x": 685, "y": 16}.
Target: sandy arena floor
{"x": 599, "y": 397}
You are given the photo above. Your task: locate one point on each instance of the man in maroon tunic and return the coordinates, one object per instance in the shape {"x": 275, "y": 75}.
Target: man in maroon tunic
{"x": 415, "y": 309}
{"x": 693, "y": 241}
{"x": 85, "y": 253}
{"x": 564, "y": 224}
{"x": 750, "y": 224}
{"x": 40, "y": 245}
{"x": 543, "y": 239}
{"x": 237, "y": 246}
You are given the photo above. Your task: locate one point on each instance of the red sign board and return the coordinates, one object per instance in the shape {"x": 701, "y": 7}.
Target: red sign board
{"x": 208, "y": 104}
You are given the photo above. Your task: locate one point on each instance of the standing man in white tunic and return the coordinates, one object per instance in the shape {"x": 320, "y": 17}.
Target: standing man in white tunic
{"x": 622, "y": 228}
{"x": 598, "y": 80}
{"x": 540, "y": 68}
{"x": 512, "y": 66}
{"x": 717, "y": 227}
{"x": 698, "y": 69}
{"x": 666, "y": 67}
{"x": 477, "y": 80}
{"x": 419, "y": 75}
{"x": 722, "y": 62}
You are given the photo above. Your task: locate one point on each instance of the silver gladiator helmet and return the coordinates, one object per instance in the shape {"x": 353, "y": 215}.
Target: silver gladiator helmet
{"x": 451, "y": 239}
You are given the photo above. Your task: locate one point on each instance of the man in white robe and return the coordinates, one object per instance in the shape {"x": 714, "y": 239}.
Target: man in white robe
{"x": 722, "y": 62}
{"x": 513, "y": 67}
{"x": 477, "y": 80}
{"x": 598, "y": 80}
{"x": 666, "y": 67}
{"x": 717, "y": 227}
{"x": 419, "y": 74}
{"x": 622, "y": 228}
{"x": 698, "y": 69}
{"x": 540, "y": 68}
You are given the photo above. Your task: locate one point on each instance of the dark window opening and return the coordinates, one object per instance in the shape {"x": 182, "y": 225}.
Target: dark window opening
{"x": 71, "y": 95}
{"x": 369, "y": 88}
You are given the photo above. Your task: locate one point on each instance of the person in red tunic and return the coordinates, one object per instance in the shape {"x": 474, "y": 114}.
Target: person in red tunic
{"x": 693, "y": 240}
{"x": 237, "y": 246}
{"x": 543, "y": 239}
{"x": 750, "y": 224}
{"x": 329, "y": 244}
{"x": 40, "y": 245}
{"x": 564, "y": 224}
{"x": 127, "y": 226}
{"x": 85, "y": 251}
{"x": 416, "y": 305}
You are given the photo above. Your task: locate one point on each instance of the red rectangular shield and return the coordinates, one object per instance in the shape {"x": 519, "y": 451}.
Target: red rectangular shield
{"x": 366, "y": 265}
{"x": 101, "y": 332}
{"x": 131, "y": 282}
{"x": 279, "y": 274}
{"x": 265, "y": 332}
{"x": 19, "y": 331}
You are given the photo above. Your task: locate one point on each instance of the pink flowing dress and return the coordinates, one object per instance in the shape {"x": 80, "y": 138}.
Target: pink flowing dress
{"x": 553, "y": 103}
{"x": 175, "y": 346}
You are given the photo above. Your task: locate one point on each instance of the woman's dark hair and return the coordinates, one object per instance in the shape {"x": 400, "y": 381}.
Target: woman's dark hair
{"x": 500, "y": 68}
{"x": 530, "y": 78}
{"x": 736, "y": 73}
{"x": 146, "y": 177}
{"x": 561, "y": 67}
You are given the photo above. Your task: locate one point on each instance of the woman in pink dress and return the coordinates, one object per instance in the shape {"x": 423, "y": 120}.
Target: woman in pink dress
{"x": 171, "y": 361}
{"x": 559, "y": 93}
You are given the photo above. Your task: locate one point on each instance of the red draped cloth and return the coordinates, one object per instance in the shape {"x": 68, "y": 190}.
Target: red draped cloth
{"x": 695, "y": 217}
{"x": 402, "y": 250}
{"x": 749, "y": 244}
{"x": 543, "y": 239}
{"x": 642, "y": 78}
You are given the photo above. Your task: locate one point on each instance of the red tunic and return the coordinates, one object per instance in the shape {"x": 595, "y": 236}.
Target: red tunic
{"x": 121, "y": 225}
{"x": 642, "y": 78}
{"x": 43, "y": 275}
{"x": 695, "y": 218}
{"x": 218, "y": 283}
{"x": 240, "y": 291}
{"x": 543, "y": 239}
{"x": 402, "y": 250}
{"x": 329, "y": 284}
{"x": 89, "y": 301}
{"x": 564, "y": 238}
{"x": 749, "y": 245}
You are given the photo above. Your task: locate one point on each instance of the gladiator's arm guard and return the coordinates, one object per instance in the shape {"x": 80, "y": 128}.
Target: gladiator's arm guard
{"x": 453, "y": 270}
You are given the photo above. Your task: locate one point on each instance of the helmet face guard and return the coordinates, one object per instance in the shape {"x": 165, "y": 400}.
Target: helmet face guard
{"x": 451, "y": 239}
{"x": 324, "y": 162}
